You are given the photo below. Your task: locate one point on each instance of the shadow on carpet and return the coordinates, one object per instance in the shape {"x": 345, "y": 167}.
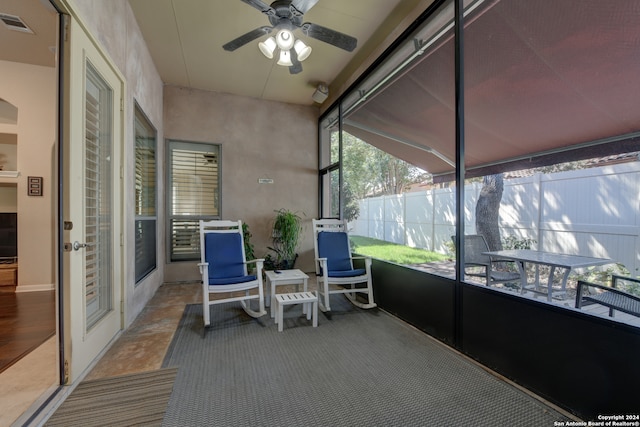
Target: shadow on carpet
{"x": 359, "y": 367}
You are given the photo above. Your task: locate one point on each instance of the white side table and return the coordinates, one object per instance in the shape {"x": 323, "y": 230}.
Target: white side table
{"x": 282, "y": 277}
{"x": 309, "y": 302}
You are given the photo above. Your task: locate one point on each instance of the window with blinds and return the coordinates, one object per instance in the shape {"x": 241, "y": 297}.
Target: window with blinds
{"x": 145, "y": 195}
{"x": 194, "y": 184}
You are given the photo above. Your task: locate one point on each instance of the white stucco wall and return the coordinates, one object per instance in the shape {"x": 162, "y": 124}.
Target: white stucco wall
{"x": 260, "y": 139}
{"x": 122, "y": 41}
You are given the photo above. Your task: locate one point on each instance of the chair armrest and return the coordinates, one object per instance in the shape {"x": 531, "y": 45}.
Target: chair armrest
{"x": 494, "y": 260}
{"x": 259, "y": 262}
{"x": 477, "y": 264}
{"x": 323, "y": 265}
{"x": 616, "y": 277}
{"x": 579, "y": 290}
{"x": 582, "y": 284}
{"x": 201, "y": 265}
{"x": 367, "y": 260}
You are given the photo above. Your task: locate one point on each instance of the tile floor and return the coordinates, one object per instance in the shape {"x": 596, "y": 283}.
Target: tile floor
{"x": 143, "y": 345}
{"x": 27, "y": 381}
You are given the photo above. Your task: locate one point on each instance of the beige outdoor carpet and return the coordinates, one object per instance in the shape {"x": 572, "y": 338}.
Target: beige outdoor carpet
{"x": 127, "y": 400}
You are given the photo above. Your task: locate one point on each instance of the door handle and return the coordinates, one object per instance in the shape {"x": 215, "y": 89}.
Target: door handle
{"x": 77, "y": 245}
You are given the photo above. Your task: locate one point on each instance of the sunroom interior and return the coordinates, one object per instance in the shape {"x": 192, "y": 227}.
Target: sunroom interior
{"x": 518, "y": 91}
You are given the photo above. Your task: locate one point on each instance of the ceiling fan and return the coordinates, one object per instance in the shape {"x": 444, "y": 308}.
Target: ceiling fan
{"x": 286, "y": 16}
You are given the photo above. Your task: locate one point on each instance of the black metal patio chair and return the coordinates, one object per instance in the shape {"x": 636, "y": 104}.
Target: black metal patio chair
{"x": 474, "y": 247}
{"x": 609, "y": 296}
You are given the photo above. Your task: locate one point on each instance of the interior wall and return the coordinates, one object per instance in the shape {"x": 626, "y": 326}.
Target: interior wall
{"x": 121, "y": 39}
{"x": 259, "y": 139}
{"x": 32, "y": 89}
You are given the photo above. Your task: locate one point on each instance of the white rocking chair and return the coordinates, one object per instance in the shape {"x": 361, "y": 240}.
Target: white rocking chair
{"x": 224, "y": 268}
{"x": 334, "y": 265}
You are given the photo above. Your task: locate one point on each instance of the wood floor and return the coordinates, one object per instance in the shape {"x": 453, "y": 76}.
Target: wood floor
{"x": 27, "y": 319}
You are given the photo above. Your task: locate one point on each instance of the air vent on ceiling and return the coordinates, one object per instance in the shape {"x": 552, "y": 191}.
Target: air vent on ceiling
{"x": 14, "y": 23}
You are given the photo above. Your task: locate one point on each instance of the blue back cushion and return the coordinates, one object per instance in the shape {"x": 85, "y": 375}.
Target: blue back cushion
{"x": 223, "y": 252}
{"x": 335, "y": 247}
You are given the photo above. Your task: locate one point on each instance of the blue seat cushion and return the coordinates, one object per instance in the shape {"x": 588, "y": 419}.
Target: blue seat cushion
{"x": 231, "y": 280}
{"x": 223, "y": 252}
{"x": 347, "y": 273}
{"x": 334, "y": 246}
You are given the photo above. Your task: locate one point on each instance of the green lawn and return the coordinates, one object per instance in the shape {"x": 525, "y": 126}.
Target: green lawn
{"x": 399, "y": 254}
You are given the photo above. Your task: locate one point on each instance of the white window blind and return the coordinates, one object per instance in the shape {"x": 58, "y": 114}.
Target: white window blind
{"x": 98, "y": 215}
{"x": 194, "y": 178}
{"x": 145, "y": 196}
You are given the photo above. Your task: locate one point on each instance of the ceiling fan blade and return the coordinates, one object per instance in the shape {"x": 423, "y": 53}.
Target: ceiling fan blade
{"x": 302, "y": 6}
{"x": 330, "y": 36}
{"x": 261, "y": 6}
{"x": 297, "y": 66}
{"x": 246, "y": 38}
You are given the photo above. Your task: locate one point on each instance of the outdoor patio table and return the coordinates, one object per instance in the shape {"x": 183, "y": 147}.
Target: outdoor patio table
{"x": 553, "y": 260}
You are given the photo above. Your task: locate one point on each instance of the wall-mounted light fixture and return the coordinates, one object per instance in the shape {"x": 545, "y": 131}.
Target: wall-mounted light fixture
{"x": 321, "y": 93}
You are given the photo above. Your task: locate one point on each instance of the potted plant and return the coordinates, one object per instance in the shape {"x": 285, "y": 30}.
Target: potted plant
{"x": 249, "y": 253}
{"x": 285, "y": 238}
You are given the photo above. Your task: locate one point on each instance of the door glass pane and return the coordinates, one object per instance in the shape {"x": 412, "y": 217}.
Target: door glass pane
{"x": 98, "y": 146}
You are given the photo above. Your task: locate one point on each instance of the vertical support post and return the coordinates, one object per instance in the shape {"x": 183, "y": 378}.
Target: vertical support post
{"x": 459, "y": 123}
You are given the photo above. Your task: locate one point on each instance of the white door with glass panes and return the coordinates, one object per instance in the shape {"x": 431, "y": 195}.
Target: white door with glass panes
{"x": 92, "y": 273}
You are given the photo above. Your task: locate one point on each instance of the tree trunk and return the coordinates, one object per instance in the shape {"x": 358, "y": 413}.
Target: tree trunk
{"x": 488, "y": 211}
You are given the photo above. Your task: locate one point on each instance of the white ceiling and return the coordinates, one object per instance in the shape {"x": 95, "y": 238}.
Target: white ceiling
{"x": 185, "y": 38}
{"x": 37, "y": 48}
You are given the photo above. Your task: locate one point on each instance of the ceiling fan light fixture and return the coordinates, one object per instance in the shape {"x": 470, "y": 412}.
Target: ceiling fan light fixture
{"x": 302, "y": 50}
{"x": 267, "y": 47}
{"x": 285, "y": 58}
{"x": 285, "y": 39}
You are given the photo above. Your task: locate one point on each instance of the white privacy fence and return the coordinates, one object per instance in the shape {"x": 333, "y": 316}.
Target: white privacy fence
{"x": 591, "y": 212}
